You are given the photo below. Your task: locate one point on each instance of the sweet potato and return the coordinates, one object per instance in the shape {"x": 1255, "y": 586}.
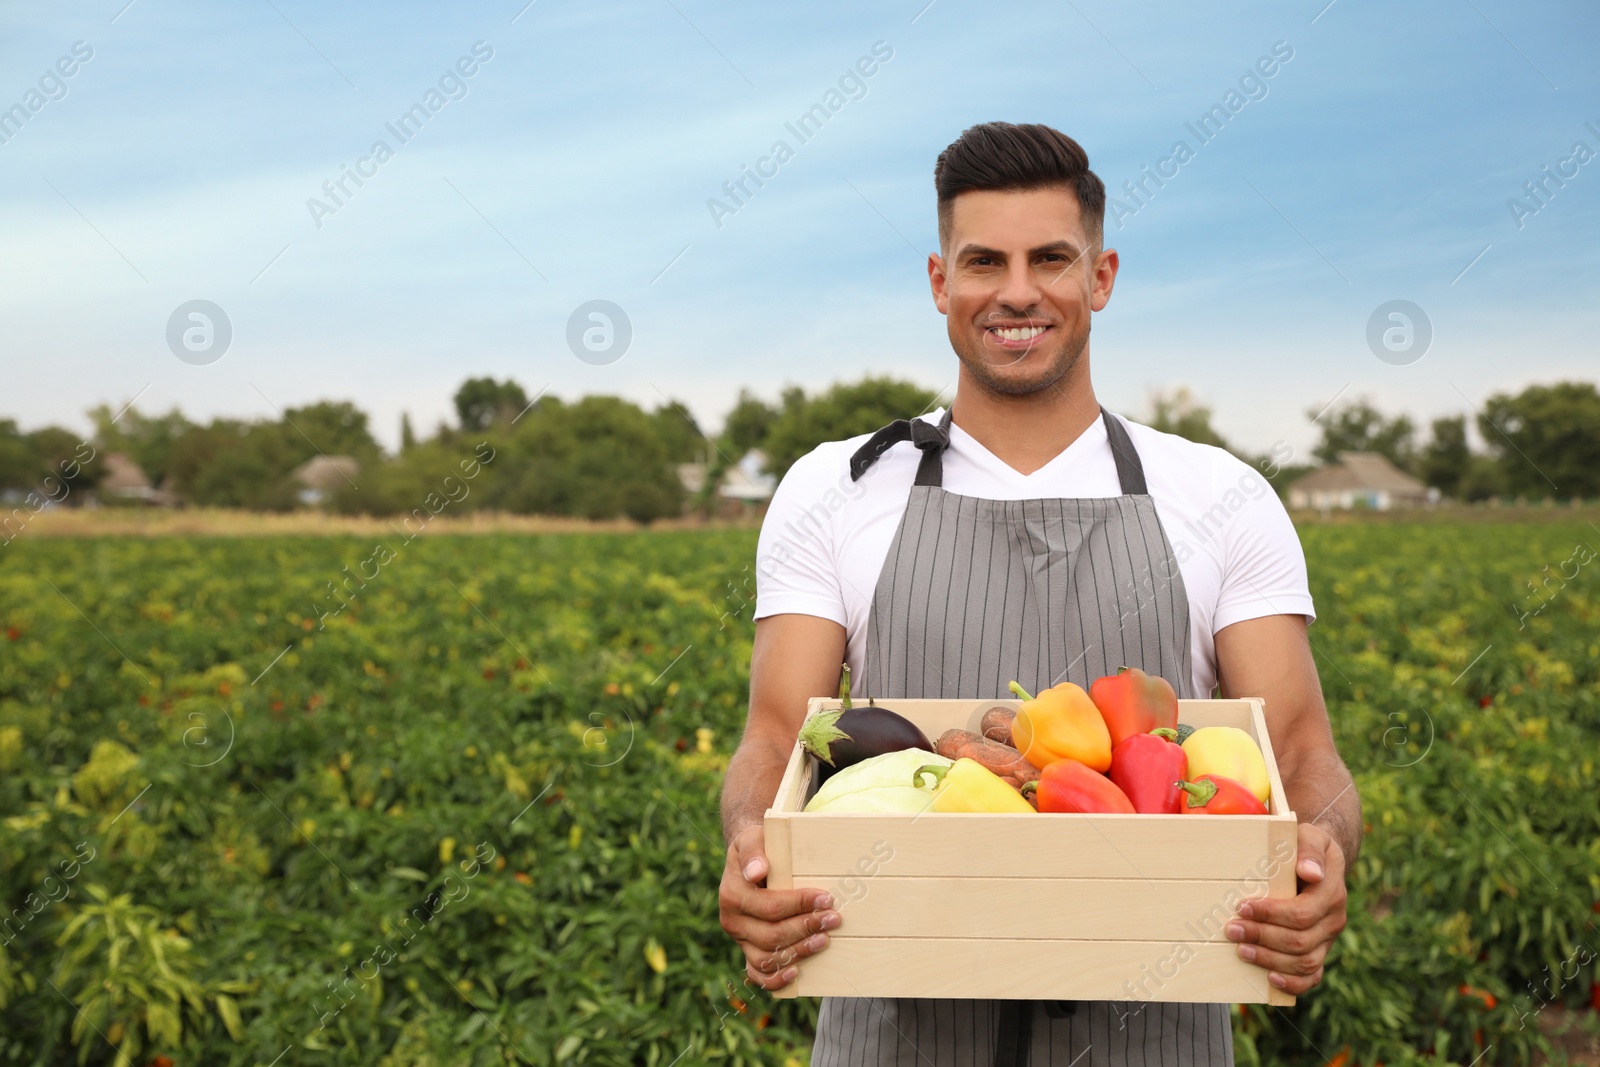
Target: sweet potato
{"x": 1003, "y": 760}
{"x": 996, "y": 724}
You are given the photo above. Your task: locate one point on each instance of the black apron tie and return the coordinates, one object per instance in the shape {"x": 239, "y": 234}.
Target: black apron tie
{"x": 931, "y": 439}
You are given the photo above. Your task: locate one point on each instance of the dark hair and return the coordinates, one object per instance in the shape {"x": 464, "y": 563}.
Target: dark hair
{"x": 1004, "y": 155}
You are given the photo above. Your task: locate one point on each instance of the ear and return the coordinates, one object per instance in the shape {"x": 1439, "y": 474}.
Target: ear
{"x": 938, "y": 283}
{"x": 1105, "y": 277}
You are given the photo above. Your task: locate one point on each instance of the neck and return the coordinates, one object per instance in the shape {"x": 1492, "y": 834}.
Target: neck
{"x": 1026, "y": 432}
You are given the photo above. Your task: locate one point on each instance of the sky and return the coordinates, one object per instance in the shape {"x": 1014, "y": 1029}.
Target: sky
{"x": 186, "y": 155}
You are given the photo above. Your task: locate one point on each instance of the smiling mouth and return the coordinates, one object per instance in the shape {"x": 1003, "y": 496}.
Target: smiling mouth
{"x": 1017, "y": 337}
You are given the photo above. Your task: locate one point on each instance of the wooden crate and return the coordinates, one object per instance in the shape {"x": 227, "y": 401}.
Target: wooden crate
{"x": 1033, "y": 906}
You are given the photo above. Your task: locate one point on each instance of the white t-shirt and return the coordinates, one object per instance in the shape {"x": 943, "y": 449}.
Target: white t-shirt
{"x": 825, "y": 538}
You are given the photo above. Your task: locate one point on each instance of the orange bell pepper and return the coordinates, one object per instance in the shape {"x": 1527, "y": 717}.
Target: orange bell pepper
{"x": 1060, "y": 723}
{"x": 1134, "y": 702}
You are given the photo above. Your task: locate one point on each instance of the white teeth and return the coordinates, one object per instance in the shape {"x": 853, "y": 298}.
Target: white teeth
{"x": 1023, "y": 333}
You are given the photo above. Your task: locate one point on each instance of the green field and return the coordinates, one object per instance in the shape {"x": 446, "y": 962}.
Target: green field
{"x": 463, "y": 809}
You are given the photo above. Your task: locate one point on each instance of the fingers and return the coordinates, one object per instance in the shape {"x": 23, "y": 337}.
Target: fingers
{"x": 739, "y": 898}
{"x": 769, "y": 982}
{"x": 774, "y": 970}
{"x": 1296, "y": 985}
{"x": 1319, "y": 856}
{"x": 1286, "y": 965}
{"x": 1301, "y": 912}
{"x": 778, "y": 933}
{"x": 747, "y": 854}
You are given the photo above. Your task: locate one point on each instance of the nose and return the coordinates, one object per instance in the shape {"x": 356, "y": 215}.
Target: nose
{"x": 1020, "y": 290}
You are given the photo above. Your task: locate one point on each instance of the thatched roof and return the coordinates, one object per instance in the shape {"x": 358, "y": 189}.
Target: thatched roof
{"x": 1361, "y": 471}
{"x": 124, "y": 477}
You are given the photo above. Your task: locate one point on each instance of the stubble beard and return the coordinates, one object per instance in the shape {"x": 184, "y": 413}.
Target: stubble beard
{"x": 980, "y": 366}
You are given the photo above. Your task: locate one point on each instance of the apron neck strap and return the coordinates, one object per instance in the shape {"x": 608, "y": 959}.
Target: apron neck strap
{"x": 1130, "y": 468}
{"x": 934, "y": 439}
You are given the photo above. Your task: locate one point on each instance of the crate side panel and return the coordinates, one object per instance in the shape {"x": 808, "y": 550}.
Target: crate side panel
{"x": 1033, "y": 970}
{"x": 1119, "y": 909}
{"x": 1035, "y": 846}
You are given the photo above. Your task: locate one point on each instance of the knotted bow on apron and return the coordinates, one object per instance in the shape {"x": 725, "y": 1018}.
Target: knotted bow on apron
{"x": 973, "y": 593}
{"x": 932, "y": 439}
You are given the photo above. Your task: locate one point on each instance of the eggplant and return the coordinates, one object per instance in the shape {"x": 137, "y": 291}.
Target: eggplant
{"x": 845, "y": 737}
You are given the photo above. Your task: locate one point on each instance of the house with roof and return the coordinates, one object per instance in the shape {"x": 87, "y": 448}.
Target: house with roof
{"x": 1360, "y": 480}
{"x": 745, "y": 489}
{"x": 321, "y": 476}
{"x": 125, "y": 482}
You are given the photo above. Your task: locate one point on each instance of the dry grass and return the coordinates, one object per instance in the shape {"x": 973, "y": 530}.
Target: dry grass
{"x": 222, "y": 522}
{"x": 1575, "y": 511}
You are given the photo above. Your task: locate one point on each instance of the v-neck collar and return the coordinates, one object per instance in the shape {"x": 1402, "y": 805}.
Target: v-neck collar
{"x": 1088, "y": 443}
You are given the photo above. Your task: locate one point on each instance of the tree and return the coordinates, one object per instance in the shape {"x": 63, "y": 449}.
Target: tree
{"x": 408, "y": 438}
{"x": 746, "y": 425}
{"x": 678, "y": 431}
{"x": 1180, "y": 412}
{"x": 599, "y": 458}
{"x": 483, "y": 402}
{"x": 61, "y": 457}
{"x": 1360, "y": 427}
{"x": 236, "y": 464}
{"x": 1546, "y": 439}
{"x": 1446, "y": 462}
{"x": 330, "y": 428}
{"x": 845, "y": 410}
{"x": 147, "y": 439}
{"x": 16, "y": 458}
{"x": 428, "y": 469}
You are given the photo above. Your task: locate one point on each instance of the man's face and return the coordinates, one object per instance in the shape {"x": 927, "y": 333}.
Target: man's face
{"x": 1017, "y": 283}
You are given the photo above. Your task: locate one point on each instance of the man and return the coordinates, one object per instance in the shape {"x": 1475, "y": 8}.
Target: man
{"x": 1025, "y": 533}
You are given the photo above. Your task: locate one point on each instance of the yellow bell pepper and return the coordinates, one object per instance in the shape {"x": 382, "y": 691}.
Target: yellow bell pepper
{"x": 968, "y": 785}
{"x": 1228, "y": 752}
{"x": 1061, "y": 723}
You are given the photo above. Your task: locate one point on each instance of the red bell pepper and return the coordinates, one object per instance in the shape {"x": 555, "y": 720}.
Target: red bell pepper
{"x": 1133, "y": 702}
{"x": 1212, "y": 794}
{"x": 1069, "y": 786}
{"x": 1148, "y": 768}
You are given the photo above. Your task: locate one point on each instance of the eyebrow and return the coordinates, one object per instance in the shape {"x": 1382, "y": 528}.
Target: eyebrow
{"x": 1067, "y": 247}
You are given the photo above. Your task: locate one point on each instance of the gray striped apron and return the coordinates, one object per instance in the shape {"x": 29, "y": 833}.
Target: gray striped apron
{"x": 977, "y": 592}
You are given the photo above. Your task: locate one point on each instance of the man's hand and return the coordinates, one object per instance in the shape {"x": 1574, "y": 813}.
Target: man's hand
{"x": 1291, "y": 937}
{"x": 776, "y": 928}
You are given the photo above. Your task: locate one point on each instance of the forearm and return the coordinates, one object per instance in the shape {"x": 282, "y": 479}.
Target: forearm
{"x": 752, "y": 780}
{"x": 794, "y": 658}
{"x": 1321, "y": 791}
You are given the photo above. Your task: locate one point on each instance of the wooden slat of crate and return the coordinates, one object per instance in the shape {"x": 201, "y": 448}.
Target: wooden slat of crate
{"x": 1105, "y": 908}
{"x": 1033, "y": 846}
{"x": 1031, "y": 969}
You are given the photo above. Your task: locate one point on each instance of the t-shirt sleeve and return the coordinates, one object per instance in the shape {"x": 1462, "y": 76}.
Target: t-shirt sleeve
{"x": 1263, "y": 565}
{"x": 796, "y": 569}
